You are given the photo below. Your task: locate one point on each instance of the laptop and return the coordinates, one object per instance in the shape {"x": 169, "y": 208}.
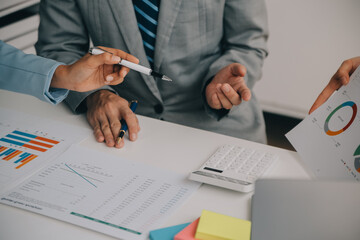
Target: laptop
{"x": 304, "y": 209}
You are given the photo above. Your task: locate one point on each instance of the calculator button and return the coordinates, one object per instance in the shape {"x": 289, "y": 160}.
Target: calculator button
{"x": 233, "y": 165}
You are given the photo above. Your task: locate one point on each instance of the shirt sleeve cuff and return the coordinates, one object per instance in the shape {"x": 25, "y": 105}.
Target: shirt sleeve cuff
{"x": 54, "y": 95}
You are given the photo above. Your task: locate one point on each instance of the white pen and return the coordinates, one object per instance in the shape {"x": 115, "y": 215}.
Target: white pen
{"x": 131, "y": 65}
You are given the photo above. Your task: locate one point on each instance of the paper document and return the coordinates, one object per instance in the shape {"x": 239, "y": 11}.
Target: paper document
{"x": 328, "y": 140}
{"x": 28, "y": 142}
{"x": 102, "y": 192}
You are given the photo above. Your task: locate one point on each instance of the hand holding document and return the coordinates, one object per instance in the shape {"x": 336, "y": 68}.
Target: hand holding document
{"x": 340, "y": 78}
{"x": 328, "y": 140}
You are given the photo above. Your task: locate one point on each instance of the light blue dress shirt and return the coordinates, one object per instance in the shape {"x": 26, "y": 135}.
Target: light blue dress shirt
{"x": 28, "y": 74}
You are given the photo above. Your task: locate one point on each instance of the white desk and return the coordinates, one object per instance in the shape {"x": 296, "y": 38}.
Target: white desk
{"x": 165, "y": 145}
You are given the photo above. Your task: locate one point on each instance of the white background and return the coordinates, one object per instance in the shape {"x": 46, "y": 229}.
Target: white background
{"x": 308, "y": 41}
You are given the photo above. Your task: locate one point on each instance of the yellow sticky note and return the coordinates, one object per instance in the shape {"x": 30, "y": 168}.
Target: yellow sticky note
{"x": 215, "y": 226}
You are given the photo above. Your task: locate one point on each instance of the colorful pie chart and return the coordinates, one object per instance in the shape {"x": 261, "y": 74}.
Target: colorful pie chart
{"x": 357, "y": 159}
{"x": 336, "y": 132}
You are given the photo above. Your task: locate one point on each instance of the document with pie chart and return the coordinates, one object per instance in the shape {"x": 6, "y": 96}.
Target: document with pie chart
{"x": 328, "y": 140}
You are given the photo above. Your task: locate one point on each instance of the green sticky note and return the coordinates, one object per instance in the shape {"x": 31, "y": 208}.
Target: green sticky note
{"x": 215, "y": 226}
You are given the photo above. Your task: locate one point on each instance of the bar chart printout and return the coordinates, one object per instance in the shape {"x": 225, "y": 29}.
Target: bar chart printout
{"x": 19, "y": 158}
{"x": 24, "y": 151}
{"x": 328, "y": 140}
{"x": 105, "y": 193}
{"x": 28, "y": 142}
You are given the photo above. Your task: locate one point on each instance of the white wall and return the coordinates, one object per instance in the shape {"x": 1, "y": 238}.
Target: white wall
{"x": 308, "y": 41}
{"x": 21, "y": 34}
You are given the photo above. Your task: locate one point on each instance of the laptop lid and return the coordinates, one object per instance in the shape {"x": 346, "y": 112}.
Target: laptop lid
{"x": 304, "y": 209}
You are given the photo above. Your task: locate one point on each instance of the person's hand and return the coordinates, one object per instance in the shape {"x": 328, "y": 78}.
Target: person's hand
{"x": 340, "y": 78}
{"x": 105, "y": 110}
{"x": 228, "y": 87}
{"x": 93, "y": 71}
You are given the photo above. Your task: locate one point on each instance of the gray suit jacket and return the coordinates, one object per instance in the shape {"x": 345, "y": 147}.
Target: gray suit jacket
{"x": 194, "y": 40}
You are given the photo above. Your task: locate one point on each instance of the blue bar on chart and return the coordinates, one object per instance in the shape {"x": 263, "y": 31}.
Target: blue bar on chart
{"x": 19, "y": 157}
{"x": 30, "y": 141}
{"x": 22, "y": 157}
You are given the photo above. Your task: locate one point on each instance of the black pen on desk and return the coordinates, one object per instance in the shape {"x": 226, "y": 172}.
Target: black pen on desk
{"x": 124, "y": 126}
{"x": 131, "y": 65}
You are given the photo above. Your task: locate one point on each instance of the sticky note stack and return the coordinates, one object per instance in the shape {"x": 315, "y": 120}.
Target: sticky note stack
{"x": 215, "y": 226}
{"x": 166, "y": 233}
{"x": 188, "y": 233}
{"x": 210, "y": 226}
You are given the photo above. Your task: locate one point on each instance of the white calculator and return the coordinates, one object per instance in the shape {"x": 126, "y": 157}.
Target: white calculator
{"x": 234, "y": 167}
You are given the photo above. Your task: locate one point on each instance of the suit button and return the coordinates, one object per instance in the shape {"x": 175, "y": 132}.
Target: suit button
{"x": 158, "y": 108}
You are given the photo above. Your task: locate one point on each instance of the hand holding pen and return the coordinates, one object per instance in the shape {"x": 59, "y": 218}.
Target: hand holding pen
{"x": 131, "y": 65}
{"x": 105, "y": 110}
{"x": 124, "y": 126}
{"x": 92, "y": 71}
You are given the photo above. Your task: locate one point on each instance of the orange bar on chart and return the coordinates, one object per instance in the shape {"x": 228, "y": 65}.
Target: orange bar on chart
{"x": 47, "y": 140}
{"x": 41, "y": 144}
{"x": 26, "y": 160}
{"x": 10, "y": 156}
{"x": 34, "y": 147}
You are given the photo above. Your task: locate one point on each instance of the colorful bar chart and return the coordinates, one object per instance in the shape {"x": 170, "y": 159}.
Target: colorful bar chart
{"x": 19, "y": 158}
{"x": 30, "y": 141}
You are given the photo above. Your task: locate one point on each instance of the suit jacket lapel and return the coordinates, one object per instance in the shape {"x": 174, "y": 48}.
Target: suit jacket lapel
{"x": 125, "y": 18}
{"x": 167, "y": 16}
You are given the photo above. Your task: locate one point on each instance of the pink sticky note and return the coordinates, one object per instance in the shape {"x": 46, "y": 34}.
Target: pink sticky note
{"x": 188, "y": 233}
